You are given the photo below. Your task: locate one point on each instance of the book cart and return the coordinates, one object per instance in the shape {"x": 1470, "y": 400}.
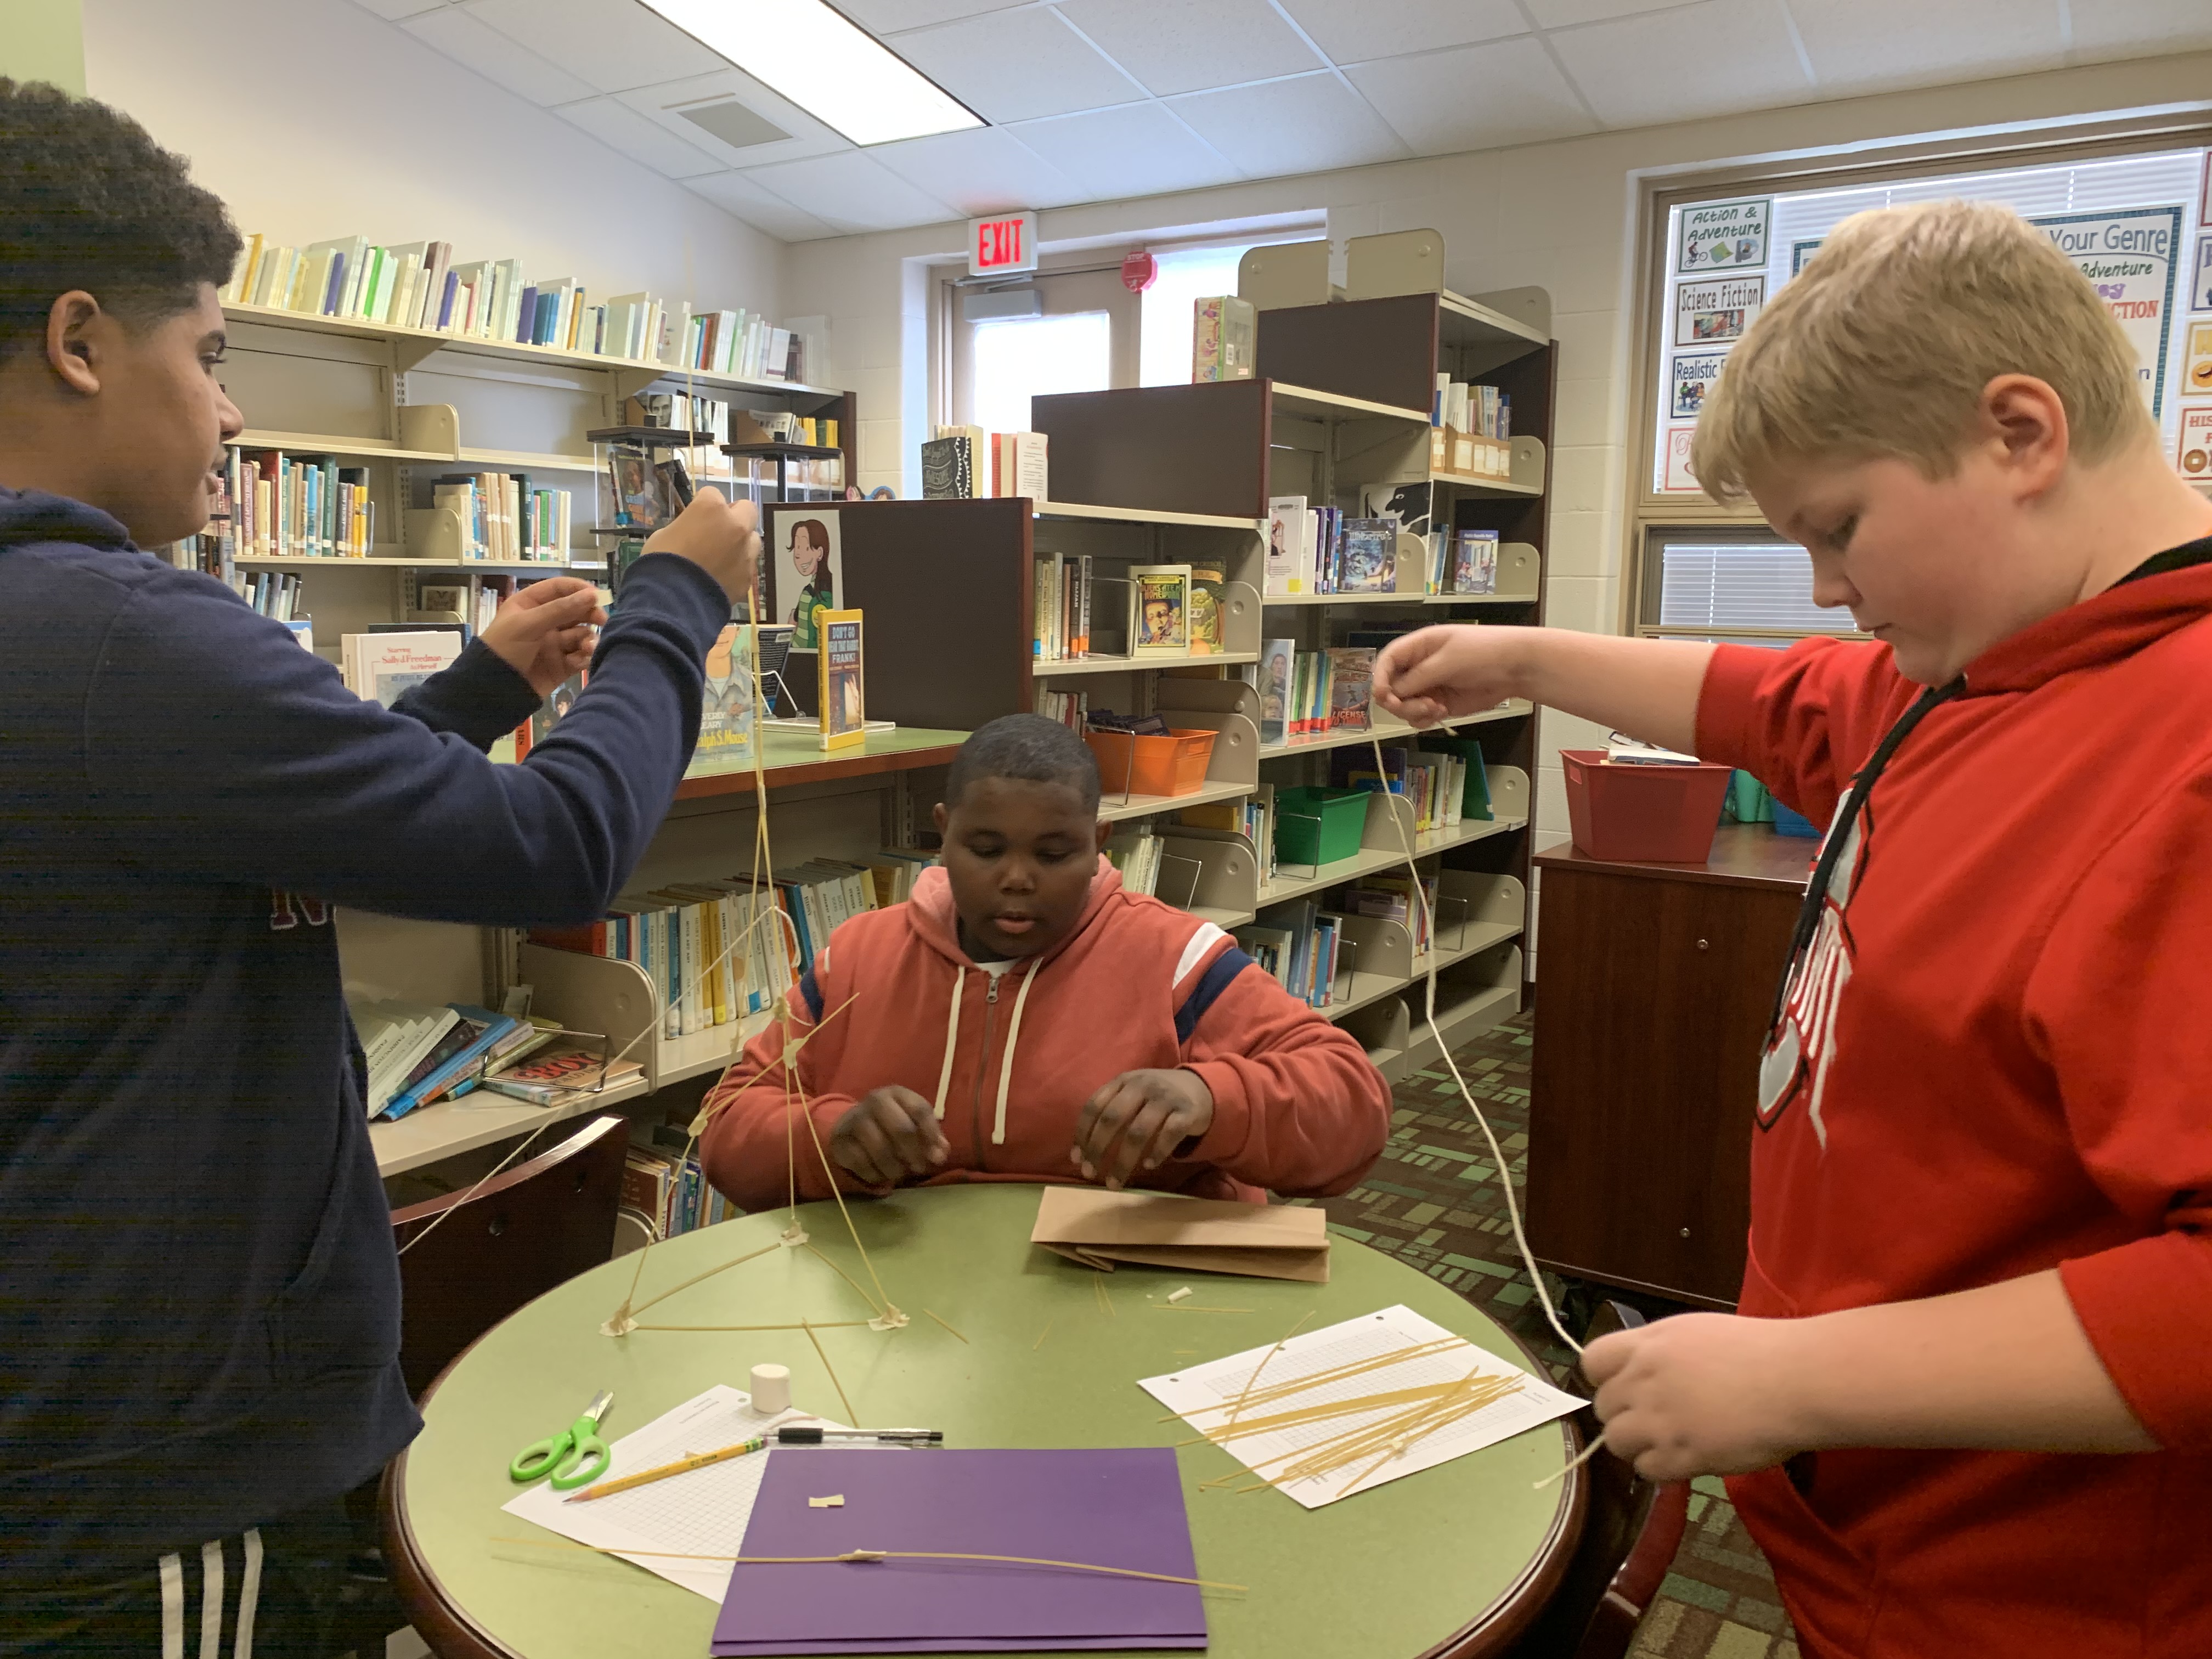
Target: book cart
{"x": 1342, "y": 405}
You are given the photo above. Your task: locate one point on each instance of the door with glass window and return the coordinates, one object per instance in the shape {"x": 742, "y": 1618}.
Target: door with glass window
{"x": 1064, "y": 332}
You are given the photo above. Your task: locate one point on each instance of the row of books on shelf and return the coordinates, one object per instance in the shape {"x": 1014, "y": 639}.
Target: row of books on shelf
{"x": 1463, "y": 560}
{"x": 1471, "y": 429}
{"x": 1146, "y": 610}
{"x": 505, "y": 518}
{"x": 1394, "y": 898}
{"x": 271, "y": 505}
{"x": 418, "y": 1053}
{"x": 1318, "y": 549}
{"x": 1297, "y": 942}
{"x": 668, "y": 1186}
{"x": 1071, "y": 709}
{"x": 1302, "y": 693}
{"x": 1252, "y": 816}
{"x": 1445, "y": 782}
{"x": 718, "y": 950}
{"x": 418, "y": 285}
{"x": 960, "y": 463}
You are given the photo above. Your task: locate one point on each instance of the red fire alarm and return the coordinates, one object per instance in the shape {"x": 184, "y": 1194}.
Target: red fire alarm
{"x": 1139, "y": 271}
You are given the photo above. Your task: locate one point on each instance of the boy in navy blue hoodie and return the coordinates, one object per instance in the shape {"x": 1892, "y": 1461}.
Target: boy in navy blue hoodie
{"x": 199, "y": 1301}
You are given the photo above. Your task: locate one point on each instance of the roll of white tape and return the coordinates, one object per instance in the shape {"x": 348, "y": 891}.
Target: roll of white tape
{"x": 771, "y": 1389}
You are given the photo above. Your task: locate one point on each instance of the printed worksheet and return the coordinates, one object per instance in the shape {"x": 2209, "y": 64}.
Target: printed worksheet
{"x": 700, "y": 1512}
{"x": 1351, "y": 1361}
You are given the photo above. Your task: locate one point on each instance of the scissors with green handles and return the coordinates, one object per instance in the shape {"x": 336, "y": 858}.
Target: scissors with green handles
{"x": 575, "y": 1455}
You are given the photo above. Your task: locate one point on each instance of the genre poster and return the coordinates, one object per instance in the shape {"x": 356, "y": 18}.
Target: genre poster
{"x": 1723, "y": 236}
{"x": 1715, "y": 311}
{"x": 2200, "y": 280}
{"x": 1693, "y": 377}
{"x": 2196, "y": 375}
{"x": 2130, "y": 257}
{"x": 1677, "y": 479}
{"x": 2192, "y": 453}
{"x": 810, "y": 570}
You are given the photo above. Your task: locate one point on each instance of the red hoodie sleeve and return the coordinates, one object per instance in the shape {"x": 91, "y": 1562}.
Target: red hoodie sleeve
{"x": 757, "y": 1136}
{"x": 1298, "y": 1106}
{"x": 1802, "y": 720}
{"x": 2117, "y": 1005}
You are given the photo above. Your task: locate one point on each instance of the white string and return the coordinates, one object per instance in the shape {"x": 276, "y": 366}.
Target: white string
{"x": 1497, "y": 1152}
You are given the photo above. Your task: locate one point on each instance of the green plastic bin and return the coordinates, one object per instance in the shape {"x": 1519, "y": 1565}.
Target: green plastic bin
{"x": 1318, "y": 826}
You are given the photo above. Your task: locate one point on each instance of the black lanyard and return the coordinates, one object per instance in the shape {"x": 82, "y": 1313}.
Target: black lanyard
{"x": 1839, "y": 833}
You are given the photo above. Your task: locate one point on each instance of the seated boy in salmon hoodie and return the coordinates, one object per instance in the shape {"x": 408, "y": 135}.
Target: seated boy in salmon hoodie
{"x": 1024, "y": 1018}
{"x": 1966, "y": 1402}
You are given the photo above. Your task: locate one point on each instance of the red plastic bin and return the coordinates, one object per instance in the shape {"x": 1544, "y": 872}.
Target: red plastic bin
{"x": 1659, "y": 814}
{"x": 1131, "y": 765}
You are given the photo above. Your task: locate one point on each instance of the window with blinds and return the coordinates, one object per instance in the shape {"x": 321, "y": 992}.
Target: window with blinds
{"x": 1709, "y": 587}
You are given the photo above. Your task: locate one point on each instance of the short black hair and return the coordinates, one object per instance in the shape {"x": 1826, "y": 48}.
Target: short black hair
{"x": 1028, "y": 747}
{"x": 89, "y": 200}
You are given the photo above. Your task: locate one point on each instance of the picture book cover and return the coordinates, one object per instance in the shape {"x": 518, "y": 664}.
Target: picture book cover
{"x": 546, "y": 1078}
{"x": 1276, "y": 657}
{"x": 1159, "y": 605}
{"x": 379, "y": 666}
{"x": 809, "y": 568}
{"x": 1351, "y": 677}
{"x": 844, "y": 704}
{"x": 1371, "y": 556}
{"x": 551, "y": 711}
{"x": 1287, "y": 523}
{"x": 725, "y": 709}
{"x": 1475, "y": 569}
{"x": 637, "y": 488}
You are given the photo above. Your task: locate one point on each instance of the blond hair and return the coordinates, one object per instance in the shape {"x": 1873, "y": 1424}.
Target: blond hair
{"x": 1882, "y": 345}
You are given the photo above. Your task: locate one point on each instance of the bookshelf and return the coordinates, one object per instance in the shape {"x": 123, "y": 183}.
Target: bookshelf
{"x": 1340, "y": 414}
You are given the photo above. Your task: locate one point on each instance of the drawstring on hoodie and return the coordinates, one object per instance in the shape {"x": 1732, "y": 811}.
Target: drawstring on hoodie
{"x": 952, "y": 1035}
{"x": 1006, "y": 1066}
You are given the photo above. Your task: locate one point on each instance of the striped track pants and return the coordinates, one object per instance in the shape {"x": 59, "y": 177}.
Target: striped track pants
{"x": 208, "y": 1604}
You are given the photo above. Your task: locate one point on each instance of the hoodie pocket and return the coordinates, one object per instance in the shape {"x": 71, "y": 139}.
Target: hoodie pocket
{"x": 340, "y": 1312}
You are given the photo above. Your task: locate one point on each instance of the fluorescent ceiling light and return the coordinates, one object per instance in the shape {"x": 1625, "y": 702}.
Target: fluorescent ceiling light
{"x": 823, "y": 62}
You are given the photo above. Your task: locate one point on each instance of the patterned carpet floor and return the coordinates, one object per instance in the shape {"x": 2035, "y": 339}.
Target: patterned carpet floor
{"x": 1433, "y": 1200}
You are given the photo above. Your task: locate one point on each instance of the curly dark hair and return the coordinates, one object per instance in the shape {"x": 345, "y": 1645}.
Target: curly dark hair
{"x": 89, "y": 200}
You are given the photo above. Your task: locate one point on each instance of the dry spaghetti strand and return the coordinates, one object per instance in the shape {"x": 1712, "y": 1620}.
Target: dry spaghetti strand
{"x": 869, "y": 1557}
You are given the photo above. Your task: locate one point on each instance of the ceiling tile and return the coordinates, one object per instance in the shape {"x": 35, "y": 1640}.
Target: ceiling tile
{"x": 2121, "y": 28}
{"x": 984, "y": 170}
{"x": 614, "y": 44}
{"x": 1565, "y": 14}
{"x": 1639, "y": 71}
{"x": 1136, "y": 149}
{"x": 622, "y": 128}
{"x": 1873, "y": 44}
{"x": 849, "y": 192}
{"x": 1181, "y": 46}
{"x": 890, "y": 16}
{"x": 735, "y": 193}
{"x": 663, "y": 105}
{"x": 1308, "y": 124}
{"x": 396, "y": 10}
{"x": 479, "y": 47}
{"x": 1508, "y": 92}
{"x": 1353, "y": 31}
{"x": 1015, "y": 66}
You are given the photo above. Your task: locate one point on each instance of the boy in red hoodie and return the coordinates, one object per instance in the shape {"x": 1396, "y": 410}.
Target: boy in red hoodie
{"x": 1969, "y": 1409}
{"x": 1024, "y": 1018}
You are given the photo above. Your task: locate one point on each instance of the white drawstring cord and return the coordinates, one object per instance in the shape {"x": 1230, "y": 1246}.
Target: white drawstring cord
{"x": 951, "y": 1034}
{"x": 1006, "y": 1066}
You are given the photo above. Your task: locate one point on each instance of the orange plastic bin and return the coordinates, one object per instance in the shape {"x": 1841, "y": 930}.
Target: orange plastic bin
{"x": 1661, "y": 814}
{"x": 1131, "y": 765}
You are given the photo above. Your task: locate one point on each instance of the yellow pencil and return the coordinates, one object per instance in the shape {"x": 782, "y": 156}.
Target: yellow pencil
{"x": 608, "y": 1488}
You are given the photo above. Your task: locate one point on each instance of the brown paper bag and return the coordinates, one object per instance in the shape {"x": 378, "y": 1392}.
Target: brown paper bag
{"x": 1198, "y": 1235}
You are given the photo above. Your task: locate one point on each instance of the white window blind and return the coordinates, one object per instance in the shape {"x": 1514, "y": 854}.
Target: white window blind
{"x": 1722, "y": 586}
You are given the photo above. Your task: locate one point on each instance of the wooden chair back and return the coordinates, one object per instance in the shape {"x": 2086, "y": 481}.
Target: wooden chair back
{"x": 1632, "y": 1530}
{"x": 523, "y": 1232}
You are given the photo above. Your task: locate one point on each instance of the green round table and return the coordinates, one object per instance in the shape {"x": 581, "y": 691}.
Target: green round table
{"x": 1455, "y": 1560}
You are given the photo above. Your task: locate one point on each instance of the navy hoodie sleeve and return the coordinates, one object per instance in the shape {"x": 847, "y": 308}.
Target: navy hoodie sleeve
{"x": 217, "y": 749}
{"x": 479, "y": 697}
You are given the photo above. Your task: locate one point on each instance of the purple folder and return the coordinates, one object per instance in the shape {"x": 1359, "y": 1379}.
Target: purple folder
{"x": 1121, "y": 1508}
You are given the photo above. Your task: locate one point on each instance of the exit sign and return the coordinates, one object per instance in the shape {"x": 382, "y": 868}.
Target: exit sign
{"x": 1004, "y": 244}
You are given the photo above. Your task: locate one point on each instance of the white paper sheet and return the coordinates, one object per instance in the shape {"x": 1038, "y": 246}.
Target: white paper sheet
{"x": 1203, "y": 1396}
{"x": 700, "y": 1512}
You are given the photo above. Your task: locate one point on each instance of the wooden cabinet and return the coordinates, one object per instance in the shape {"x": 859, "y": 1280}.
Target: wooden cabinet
{"x": 1656, "y": 981}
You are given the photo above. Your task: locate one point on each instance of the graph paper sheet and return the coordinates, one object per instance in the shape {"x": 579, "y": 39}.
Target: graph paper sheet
{"x": 1204, "y": 1395}
{"x": 700, "y": 1512}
